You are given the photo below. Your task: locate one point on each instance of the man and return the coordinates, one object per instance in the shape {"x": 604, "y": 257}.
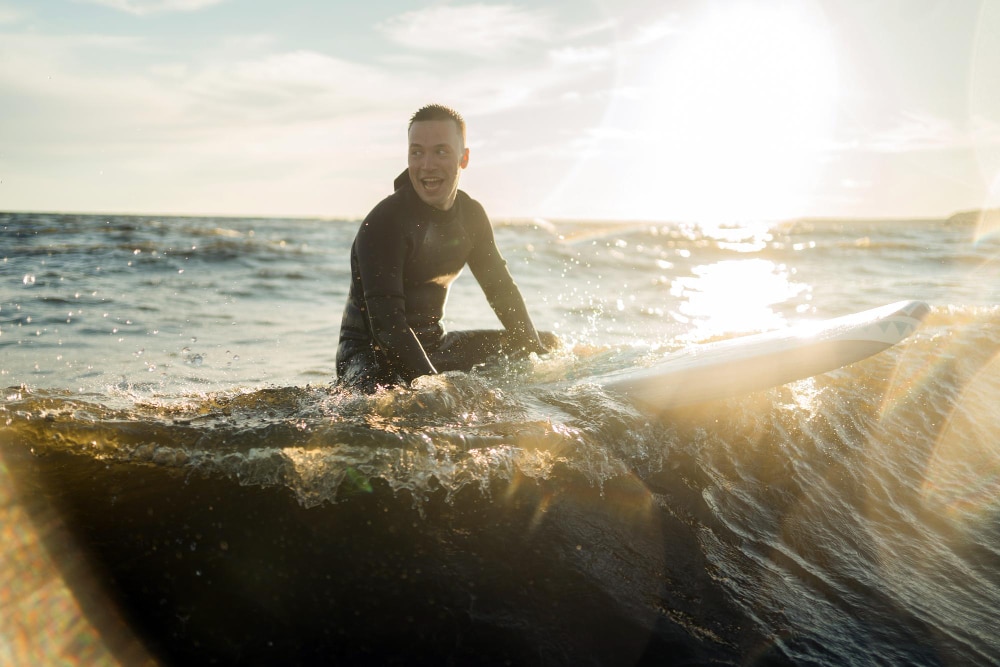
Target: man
{"x": 408, "y": 251}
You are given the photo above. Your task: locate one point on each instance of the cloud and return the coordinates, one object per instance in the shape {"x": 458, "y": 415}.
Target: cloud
{"x": 656, "y": 31}
{"x": 235, "y": 127}
{"x": 234, "y": 87}
{"x": 480, "y": 30}
{"x": 306, "y": 130}
{"x": 10, "y": 16}
{"x": 144, "y": 7}
{"x": 593, "y": 55}
{"x": 55, "y": 67}
{"x": 918, "y": 131}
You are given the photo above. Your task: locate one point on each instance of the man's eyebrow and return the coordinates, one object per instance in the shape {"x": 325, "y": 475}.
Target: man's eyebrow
{"x": 416, "y": 145}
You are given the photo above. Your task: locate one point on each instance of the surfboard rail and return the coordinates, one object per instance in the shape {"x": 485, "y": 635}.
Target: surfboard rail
{"x": 750, "y": 363}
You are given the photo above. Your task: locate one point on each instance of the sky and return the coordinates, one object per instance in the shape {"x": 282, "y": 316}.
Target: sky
{"x": 724, "y": 111}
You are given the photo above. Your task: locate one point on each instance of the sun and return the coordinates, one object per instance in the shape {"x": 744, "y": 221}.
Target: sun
{"x": 739, "y": 114}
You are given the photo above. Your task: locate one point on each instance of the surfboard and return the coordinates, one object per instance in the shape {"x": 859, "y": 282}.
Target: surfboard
{"x": 745, "y": 364}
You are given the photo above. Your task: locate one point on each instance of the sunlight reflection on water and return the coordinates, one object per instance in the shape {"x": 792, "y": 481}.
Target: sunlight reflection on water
{"x": 735, "y": 295}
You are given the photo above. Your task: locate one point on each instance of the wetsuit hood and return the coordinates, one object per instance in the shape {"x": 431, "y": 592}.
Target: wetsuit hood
{"x": 403, "y": 180}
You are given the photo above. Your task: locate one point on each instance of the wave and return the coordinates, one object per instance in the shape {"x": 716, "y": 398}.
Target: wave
{"x": 844, "y": 518}
{"x": 527, "y": 410}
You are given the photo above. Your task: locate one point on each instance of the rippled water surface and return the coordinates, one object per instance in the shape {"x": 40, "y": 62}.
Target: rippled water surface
{"x": 182, "y": 483}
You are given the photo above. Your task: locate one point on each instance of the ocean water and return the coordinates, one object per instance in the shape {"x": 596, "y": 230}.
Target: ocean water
{"x": 181, "y": 484}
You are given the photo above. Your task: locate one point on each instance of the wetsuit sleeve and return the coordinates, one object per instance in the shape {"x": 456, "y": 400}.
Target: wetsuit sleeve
{"x": 381, "y": 252}
{"x": 490, "y": 270}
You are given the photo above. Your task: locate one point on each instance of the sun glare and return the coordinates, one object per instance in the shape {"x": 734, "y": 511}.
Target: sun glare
{"x": 741, "y": 108}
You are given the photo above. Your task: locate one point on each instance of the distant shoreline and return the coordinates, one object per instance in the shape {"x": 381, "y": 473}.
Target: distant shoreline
{"x": 989, "y": 217}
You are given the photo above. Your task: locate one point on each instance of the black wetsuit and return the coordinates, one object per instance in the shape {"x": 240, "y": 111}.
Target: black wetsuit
{"x": 403, "y": 260}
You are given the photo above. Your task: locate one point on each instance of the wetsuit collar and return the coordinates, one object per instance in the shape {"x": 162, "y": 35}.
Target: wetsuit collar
{"x": 402, "y": 182}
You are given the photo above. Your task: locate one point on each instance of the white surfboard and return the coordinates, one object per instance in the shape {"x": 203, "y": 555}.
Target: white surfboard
{"x": 750, "y": 363}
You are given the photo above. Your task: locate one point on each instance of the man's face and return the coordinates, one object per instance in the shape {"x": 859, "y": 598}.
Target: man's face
{"x": 437, "y": 155}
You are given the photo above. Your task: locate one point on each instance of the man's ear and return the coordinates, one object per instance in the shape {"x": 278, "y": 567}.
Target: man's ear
{"x": 465, "y": 159}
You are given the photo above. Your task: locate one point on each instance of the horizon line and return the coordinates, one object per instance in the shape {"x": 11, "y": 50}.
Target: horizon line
{"x": 525, "y": 219}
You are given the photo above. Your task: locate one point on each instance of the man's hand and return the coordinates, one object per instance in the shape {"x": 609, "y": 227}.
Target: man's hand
{"x": 543, "y": 343}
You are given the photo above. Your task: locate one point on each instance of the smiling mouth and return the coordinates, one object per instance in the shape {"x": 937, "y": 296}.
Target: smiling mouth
{"x": 431, "y": 183}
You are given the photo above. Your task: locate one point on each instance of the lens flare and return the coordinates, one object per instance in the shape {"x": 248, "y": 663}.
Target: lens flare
{"x": 963, "y": 474}
{"x": 51, "y": 609}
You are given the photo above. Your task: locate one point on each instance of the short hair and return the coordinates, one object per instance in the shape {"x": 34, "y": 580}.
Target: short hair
{"x": 439, "y": 112}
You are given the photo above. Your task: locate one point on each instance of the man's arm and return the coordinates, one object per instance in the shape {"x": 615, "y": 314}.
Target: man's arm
{"x": 381, "y": 252}
{"x": 491, "y": 272}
